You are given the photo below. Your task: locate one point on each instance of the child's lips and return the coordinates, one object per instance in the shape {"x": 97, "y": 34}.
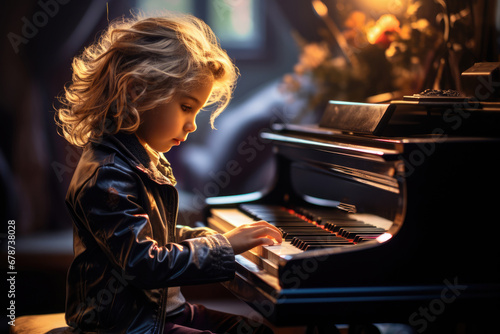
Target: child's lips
{"x": 177, "y": 141}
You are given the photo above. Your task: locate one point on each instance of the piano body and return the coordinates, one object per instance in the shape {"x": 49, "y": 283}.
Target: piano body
{"x": 389, "y": 214}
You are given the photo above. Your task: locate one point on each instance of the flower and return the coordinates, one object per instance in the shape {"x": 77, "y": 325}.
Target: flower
{"x": 390, "y": 54}
{"x": 384, "y": 31}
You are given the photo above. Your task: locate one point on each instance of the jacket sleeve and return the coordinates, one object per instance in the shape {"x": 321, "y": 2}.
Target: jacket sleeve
{"x": 110, "y": 207}
{"x": 186, "y": 232}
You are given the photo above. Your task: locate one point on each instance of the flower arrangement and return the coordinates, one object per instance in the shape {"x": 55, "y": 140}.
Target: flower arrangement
{"x": 388, "y": 55}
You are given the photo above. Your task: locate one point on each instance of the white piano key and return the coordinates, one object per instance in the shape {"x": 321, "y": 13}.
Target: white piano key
{"x": 223, "y": 220}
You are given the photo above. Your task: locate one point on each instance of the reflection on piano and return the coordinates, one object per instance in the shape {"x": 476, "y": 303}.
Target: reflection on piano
{"x": 387, "y": 216}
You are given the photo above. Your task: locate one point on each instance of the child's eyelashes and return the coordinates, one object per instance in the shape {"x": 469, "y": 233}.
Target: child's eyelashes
{"x": 189, "y": 109}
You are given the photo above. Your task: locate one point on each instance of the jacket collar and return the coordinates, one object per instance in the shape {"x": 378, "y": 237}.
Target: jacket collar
{"x": 128, "y": 147}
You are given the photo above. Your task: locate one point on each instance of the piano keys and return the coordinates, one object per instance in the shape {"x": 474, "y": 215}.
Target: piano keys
{"x": 377, "y": 224}
{"x": 300, "y": 233}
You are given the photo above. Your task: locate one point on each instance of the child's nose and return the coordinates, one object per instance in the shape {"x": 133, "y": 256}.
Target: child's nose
{"x": 190, "y": 126}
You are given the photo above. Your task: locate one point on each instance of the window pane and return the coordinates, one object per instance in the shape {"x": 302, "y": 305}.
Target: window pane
{"x": 184, "y": 6}
{"x": 236, "y": 22}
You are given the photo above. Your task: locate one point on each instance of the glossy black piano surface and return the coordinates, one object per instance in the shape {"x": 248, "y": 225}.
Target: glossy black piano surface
{"x": 387, "y": 227}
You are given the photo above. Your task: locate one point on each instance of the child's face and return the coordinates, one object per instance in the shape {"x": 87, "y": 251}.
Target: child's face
{"x": 169, "y": 124}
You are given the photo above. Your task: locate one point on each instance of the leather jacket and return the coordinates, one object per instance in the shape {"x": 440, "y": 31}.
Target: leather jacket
{"x": 127, "y": 248}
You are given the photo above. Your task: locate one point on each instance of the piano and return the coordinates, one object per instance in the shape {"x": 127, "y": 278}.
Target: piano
{"x": 388, "y": 213}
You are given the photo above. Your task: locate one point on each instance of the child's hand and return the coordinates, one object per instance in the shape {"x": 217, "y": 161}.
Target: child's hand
{"x": 248, "y": 236}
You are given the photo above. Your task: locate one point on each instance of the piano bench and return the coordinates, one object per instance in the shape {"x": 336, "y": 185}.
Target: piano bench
{"x": 41, "y": 324}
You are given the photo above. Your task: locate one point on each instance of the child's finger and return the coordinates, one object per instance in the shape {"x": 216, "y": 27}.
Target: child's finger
{"x": 264, "y": 223}
{"x": 268, "y": 232}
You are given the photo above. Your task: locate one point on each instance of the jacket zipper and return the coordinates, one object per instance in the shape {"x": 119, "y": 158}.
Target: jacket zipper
{"x": 171, "y": 231}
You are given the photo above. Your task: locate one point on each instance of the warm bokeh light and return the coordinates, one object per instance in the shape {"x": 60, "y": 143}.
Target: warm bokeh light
{"x": 320, "y": 8}
{"x": 381, "y": 6}
{"x": 380, "y": 32}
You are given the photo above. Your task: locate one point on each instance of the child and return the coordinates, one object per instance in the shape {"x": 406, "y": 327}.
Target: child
{"x": 134, "y": 95}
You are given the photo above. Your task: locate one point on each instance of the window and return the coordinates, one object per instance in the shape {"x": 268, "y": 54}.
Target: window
{"x": 239, "y": 24}
{"x": 184, "y": 6}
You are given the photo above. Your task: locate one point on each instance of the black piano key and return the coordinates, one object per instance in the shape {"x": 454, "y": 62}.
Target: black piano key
{"x": 329, "y": 237}
{"x": 297, "y": 229}
{"x": 305, "y": 231}
{"x": 317, "y": 242}
{"x": 274, "y": 216}
{"x": 281, "y": 219}
{"x": 324, "y": 219}
{"x": 279, "y": 216}
{"x": 311, "y": 227}
{"x": 286, "y": 224}
{"x": 361, "y": 240}
{"x": 366, "y": 237}
{"x": 305, "y": 244}
{"x": 312, "y": 247}
{"x": 270, "y": 212}
{"x": 291, "y": 235}
{"x": 362, "y": 228}
{"x": 352, "y": 233}
{"x": 263, "y": 212}
{"x": 316, "y": 238}
{"x": 335, "y": 226}
{"x": 321, "y": 215}
{"x": 344, "y": 222}
{"x": 344, "y": 231}
{"x": 319, "y": 238}
{"x": 280, "y": 211}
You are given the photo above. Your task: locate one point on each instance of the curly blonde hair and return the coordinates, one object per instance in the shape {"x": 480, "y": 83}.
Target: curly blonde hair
{"x": 158, "y": 57}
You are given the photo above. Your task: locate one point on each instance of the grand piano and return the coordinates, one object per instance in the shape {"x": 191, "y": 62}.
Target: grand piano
{"x": 388, "y": 213}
